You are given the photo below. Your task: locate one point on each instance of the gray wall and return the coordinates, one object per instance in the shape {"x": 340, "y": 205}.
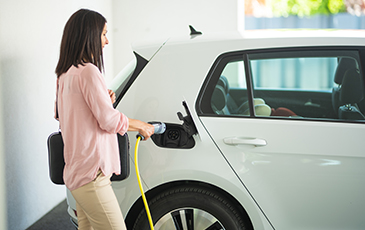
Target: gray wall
{"x": 160, "y": 19}
{"x": 30, "y": 34}
{"x": 2, "y": 166}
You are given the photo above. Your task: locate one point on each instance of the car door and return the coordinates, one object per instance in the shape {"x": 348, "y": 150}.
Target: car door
{"x": 303, "y": 167}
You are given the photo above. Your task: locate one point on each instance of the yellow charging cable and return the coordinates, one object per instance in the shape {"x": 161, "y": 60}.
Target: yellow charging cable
{"x": 140, "y": 184}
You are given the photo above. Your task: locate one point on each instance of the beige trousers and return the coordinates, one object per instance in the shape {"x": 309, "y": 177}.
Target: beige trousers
{"x": 97, "y": 207}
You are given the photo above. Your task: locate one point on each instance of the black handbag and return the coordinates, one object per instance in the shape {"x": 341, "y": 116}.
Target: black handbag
{"x": 57, "y": 163}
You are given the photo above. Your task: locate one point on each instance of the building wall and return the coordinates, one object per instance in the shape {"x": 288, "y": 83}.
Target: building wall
{"x": 30, "y": 35}
{"x": 2, "y": 167}
{"x": 160, "y": 19}
{"x": 30, "y": 38}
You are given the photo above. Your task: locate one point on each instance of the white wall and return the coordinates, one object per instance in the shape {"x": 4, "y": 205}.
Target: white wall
{"x": 143, "y": 20}
{"x": 2, "y": 167}
{"x": 30, "y": 34}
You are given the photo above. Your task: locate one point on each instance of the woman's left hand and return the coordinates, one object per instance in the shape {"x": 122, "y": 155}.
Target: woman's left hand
{"x": 112, "y": 95}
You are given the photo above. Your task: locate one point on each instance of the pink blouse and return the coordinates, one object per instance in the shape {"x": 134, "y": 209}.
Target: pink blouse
{"x": 89, "y": 124}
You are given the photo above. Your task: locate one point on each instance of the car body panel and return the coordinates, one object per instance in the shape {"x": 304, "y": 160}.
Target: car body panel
{"x": 308, "y": 173}
{"x": 163, "y": 165}
{"x": 267, "y": 39}
{"x": 147, "y": 49}
{"x": 303, "y": 168}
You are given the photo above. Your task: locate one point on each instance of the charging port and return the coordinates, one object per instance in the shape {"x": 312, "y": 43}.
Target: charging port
{"x": 178, "y": 135}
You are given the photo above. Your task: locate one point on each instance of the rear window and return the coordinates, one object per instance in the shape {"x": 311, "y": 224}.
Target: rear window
{"x": 126, "y": 77}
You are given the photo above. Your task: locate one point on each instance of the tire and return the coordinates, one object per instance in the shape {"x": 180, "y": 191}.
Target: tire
{"x": 191, "y": 208}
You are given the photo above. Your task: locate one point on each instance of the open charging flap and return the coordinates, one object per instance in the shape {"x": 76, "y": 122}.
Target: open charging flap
{"x": 178, "y": 135}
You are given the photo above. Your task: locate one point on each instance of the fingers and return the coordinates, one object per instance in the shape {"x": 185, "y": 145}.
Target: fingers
{"x": 112, "y": 96}
{"x": 147, "y": 130}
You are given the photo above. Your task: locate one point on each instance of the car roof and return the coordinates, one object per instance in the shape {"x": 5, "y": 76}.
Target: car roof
{"x": 256, "y": 39}
{"x": 299, "y": 33}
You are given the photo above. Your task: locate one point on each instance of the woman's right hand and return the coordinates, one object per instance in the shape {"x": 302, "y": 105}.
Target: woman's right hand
{"x": 145, "y": 129}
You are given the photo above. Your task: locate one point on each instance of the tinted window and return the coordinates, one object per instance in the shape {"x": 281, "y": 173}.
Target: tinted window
{"x": 300, "y": 84}
{"x": 128, "y": 78}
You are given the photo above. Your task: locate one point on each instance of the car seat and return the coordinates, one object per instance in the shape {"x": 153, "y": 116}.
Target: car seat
{"x": 343, "y": 65}
{"x": 260, "y": 110}
{"x": 351, "y": 93}
{"x": 219, "y": 100}
{"x": 243, "y": 109}
{"x": 282, "y": 112}
{"x": 230, "y": 102}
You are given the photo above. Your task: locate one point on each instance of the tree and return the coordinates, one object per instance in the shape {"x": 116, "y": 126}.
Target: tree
{"x": 303, "y": 8}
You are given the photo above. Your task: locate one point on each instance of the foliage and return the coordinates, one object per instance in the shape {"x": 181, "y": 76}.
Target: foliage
{"x": 303, "y": 8}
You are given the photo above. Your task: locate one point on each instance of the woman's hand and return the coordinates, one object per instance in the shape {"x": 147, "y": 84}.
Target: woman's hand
{"x": 112, "y": 96}
{"x": 145, "y": 129}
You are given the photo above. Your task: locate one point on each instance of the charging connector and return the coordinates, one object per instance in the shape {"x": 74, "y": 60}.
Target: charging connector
{"x": 159, "y": 129}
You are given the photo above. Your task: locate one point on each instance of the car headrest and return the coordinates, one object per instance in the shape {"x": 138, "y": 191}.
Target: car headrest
{"x": 343, "y": 65}
{"x": 222, "y": 81}
{"x": 352, "y": 89}
{"x": 219, "y": 98}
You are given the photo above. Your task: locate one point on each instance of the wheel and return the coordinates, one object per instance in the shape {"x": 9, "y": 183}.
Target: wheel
{"x": 191, "y": 208}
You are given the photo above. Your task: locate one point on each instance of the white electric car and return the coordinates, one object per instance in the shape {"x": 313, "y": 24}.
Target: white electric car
{"x": 265, "y": 130}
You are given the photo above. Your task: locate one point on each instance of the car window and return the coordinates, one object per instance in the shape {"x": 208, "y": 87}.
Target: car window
{"x": 308, "y": 84}
{"x": 235, "y": 74}
{"x": 296, "y": 84}
{"x": 229, "y": 96}
{"x": 123, "y": 75}
{"x": 127, "y": 76}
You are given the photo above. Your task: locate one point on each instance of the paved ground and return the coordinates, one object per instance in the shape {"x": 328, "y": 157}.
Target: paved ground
{"x": 56, "y": 219}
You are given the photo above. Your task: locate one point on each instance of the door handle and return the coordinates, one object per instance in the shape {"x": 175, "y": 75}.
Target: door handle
{"x": 244, "y": 141}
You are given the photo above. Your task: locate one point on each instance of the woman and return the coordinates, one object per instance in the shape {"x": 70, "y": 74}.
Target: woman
{"x": 89, "y": 122}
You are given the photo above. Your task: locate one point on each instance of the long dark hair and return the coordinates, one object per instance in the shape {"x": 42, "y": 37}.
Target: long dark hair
{"x": 81, "y": 41}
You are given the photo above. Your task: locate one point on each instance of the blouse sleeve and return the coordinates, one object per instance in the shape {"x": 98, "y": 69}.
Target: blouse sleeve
{"x": 55, "y": 102}
{"x": 97, "y": 98}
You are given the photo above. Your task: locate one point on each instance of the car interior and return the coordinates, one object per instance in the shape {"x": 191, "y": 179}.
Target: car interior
{"x": 345, "y": 101}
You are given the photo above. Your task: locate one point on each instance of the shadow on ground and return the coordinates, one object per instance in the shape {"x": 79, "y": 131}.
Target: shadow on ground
{"x": 56, "y": 219}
